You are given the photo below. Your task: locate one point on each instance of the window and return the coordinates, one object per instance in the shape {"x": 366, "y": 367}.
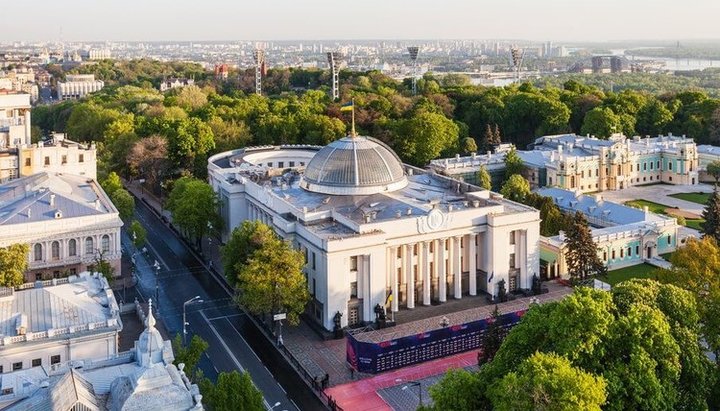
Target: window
{"x": 1, "y": 370}
{"x": 432, "y": 246}
{"x": 637, "y": 250}
{"x": 629, "y": 251}
{"x": 38, "y": 252}
{"x": 670, "y": 177}
{"x": 81, "y": 159}
{"x": 292, "y": 164}
{"x": 47, "y": 160}
{"x": 105, "y": 243}
{"x": 613, "y": 254}
{"x": 582, "y": 174}
{"x": 353, "y": 263}
{"x": 64, "y": 159}
{"x": 313, "y": 291}
{"x": 73, "y": 271}
{"x": 89, "y": 245}
{"x": 314, "y": 261}
{"x": 55, "y": 250}
{"x": 670, "y": 165}
{"x": 652, "y": 165}
{"x": 572, "y": 181}
{"x": 597, "y": 172}
{"x": 644, "y": 166}
{"x": 55, "y": 359}
{"x": 399, "y": 252}
{"x": 72, "y": 248}
{"x": 512, "y": 261}
{"x": 604, "y": 255}
{"x": 669, "y": 239}
{"x": 415, "y": 249}
{"x": 447, "y": 244}
{"x": 38, "y": 276}
{"x": 512, "y": 237}
{"x": 658, "y": 164}
{"x": 622, "y": 253}
{"x": 37, "y": 362}
{"x": 56, "y": 274}
{"x": 353, "y": 289}
{"x": 27, "y": 162}
{"x": 17, "y": 366}
{"x": 281, "y": 164}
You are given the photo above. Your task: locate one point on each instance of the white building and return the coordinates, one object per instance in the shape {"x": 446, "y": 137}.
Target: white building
{"x": 68, "y": 221}
{"x": 370, "y": 226}
{"x": 173, "y": 82}
{"x": 78, "y": 86}
{"x": 625, "y": 236}
{"x": 144, "y": 378}
{"x": 14, "y": 120}
{"x": 52, "y": 322}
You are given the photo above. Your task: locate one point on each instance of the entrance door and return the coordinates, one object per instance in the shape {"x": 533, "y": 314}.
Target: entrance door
{"x": 649, "y": 252}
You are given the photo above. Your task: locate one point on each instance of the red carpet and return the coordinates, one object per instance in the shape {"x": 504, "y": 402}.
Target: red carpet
{"x": 362, "y": 395}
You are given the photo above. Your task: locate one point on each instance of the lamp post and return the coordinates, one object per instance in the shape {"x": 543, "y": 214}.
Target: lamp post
{"x": 195, "y": 299}
{"x": 156, "y": 266}
{"x": 275, "y": 406}
{"x": 413, "y": 384}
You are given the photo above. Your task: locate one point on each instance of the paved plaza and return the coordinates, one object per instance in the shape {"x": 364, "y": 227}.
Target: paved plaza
{"x": 660, "y": 193}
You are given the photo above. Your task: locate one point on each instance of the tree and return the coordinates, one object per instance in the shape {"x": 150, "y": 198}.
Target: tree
{"x": 487, "y": 141}
{"x": 516, "y": 188}
{"x": 458, "y": 390}
{"x": 124, "y": 202}
{"x": 581, "y": 254}
{"x": 425, "y": 136}
{"x": 137, "y": 233}
{"x": 111, "y": 184}
{"x": 513, "y": 164}
{"x": 711, "y": 215}
{"x": 713, "y": 168}
{"x": 13, "y": 264}
{"x": 189, "y": 354}
{"x": 601, "y": 122}
{"x": 272, "y": 281}
{"x": 194, "y": 208}
{"x": 233, "y": 391}
{"x": 492, "y": 338}
{"x": 191, "y": 98}
{"x": 484, "y": 179}
{"x": 148, "y": 159}
{"x": 243, "y": 242}
{"x": 548, "y": 382}
{"x": 103, "y": 266}
{"x": 469, "y": 145}
{"x": 653, "y": 118}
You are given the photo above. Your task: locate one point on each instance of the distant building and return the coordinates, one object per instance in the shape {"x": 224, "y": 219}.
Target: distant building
{"x": 222, "y": 71}
{"x": 98, "y": 54}
{"x": 78, "y": 86}
{"x": 14, "y": 120}
{"x": 173, "y": 82}
{"x": 143, "y": 378}
{"x": 68, "y": 221}
{"x": 625, "y": 236}
{"x": 57, "y": 321}
{"x": 588, "y": 164}
{"x": 58, "y": 156}
{"x": 370, "y": 226}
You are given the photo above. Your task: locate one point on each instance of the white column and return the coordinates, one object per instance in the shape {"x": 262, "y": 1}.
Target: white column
{"x": 442, "y": 273}
{"x": 409, "y": 276}
{"x": 472, "y": 263}
{"x": 457, "y": 268}
{"x": 426, "y": 272}
{"x": 394, "y": 279}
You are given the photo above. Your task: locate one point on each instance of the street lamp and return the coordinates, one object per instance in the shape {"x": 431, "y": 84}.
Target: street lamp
{"x": 413, "y": 384}
{"x": 195, "y": 299}
{"x": 274, "y": 406}
{"x": 156, "y": 266}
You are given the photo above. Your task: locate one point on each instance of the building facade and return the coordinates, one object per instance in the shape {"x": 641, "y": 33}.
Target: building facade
{"x": 371, "y": 227}
{"x": 173, "y": 82}
{"x": 68, "y": 221}
{"x": 78, "y": 86}
{"x": 625, "y": 236}
{"x": 14, "y": 120}
{"x": 45, "y": 324}
{"x": 589, "y": 164}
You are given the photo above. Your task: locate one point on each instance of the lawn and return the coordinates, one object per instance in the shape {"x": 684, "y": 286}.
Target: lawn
{"x": 653, "y": 207}
{"x": 699, "y": 198}
{"x": 694, "y": 223}
{"x": 635, "y": 271}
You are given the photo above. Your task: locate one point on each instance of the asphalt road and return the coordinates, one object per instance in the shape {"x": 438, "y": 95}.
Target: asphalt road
{"x": 233, "y": 339}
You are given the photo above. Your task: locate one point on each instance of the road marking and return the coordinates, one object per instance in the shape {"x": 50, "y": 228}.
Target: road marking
{"x": 167, "y": 267}
{"x": 222, "y": 317}
{"x": 217, "y": 335}
{"x": 251, "y": 350}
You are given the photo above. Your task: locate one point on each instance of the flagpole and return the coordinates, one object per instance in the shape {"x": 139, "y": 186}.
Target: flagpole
{"x": 352, "y": 101}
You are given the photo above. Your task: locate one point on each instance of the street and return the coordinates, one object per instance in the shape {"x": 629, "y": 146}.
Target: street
{"x": 234, "y": 340}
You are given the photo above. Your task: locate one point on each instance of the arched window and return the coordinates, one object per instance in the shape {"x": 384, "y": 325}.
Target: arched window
{"x": 89, "y": 245}
{"x": 72, "y": 248}
{"x": 38, "y": 252}
{"x": 105, "y": 243}
{"x": 55, "y": 250}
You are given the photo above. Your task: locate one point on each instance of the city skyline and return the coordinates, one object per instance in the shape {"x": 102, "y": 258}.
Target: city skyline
{"x": 557, "y": 20}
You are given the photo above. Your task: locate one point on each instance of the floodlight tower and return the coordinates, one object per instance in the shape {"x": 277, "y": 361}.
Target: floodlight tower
{"x": 414, "y": 50}
{"x": 333, "y": 58}
{"x": 517, "y": 55}
{"x": 259, "y": 57}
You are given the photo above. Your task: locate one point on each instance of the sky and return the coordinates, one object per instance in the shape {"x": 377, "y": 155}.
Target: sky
{"x": 539, "y": 20}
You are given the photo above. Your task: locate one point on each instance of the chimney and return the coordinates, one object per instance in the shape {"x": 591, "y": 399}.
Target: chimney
{"x": 561, "y": 235}
{"x": 97, "y": 204}
{"x": 52, "y": 200}
{"x": 29, "y": 213}
{"x": 645, "y": 209}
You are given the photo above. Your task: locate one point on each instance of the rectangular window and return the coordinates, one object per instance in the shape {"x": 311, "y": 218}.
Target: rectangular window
{"x": 512, "y": 237}
{"x": 644, "y": 166}
{"x": 37, "y": 362}
{"x": 399, "y": 252}
{"x": 27, "y": 162}
{"x": 670, "y": 165}
{"x": 81, "y": 159}
{"x": 17, "y": 366}
{"x": 353, "y": 289}
{"x": 415, "y": 249}
{"x": 512, "y": 261}
{"x": 622, "y": 253}
{"x": 613, "y": 254}
{"x": 47, "y": 160}
{"x": 652, "y": 165}
{"x": 669, "y": 239}
{"x": 38, "y": 276}
{"x": 597, "y": 172}
{"x": 432, "y": 246}
{"x": 604, "y": 255}
{"x": 281, "y": 164}
{"x": 313, "y": 290}
{"x": 292, "y": 164}
{"x": 637, "y": 250}
{"x": 64, "y": 159}
{"x": 658, "y": 164}
{"x": 629, "y": 251}
{"x": 353, "y": 263}
{"x": 55, "y": 359}
{"x": 314, "y": 261}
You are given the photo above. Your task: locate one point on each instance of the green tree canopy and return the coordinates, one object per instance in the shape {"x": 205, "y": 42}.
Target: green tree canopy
{"x": 124, "y": 202}
{"x": 233, "y": 391}
{"x": 548, "y": 382}
{"x": 601, "y": 122}
{"x": 137, "y": 233}
{"x": 189, "y": 354}
{"x": 581, "y": 252}
{"x": 194, "y": 208}
{"x": 425, "y": 136}
{"x": 711, "y": 215}
{"x": 516, "y": 188}
{"x": 513, "y": 164}
{"x": 13, "y": 264}
{"x": 111, "y": 184}
{"x": 484, "y": 179}
{"x": 243, "y": 242}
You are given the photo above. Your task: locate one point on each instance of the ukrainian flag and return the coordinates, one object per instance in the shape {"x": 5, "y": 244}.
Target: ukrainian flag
{"x": 389, "y": 298}
{"x": 347, "y": 106}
